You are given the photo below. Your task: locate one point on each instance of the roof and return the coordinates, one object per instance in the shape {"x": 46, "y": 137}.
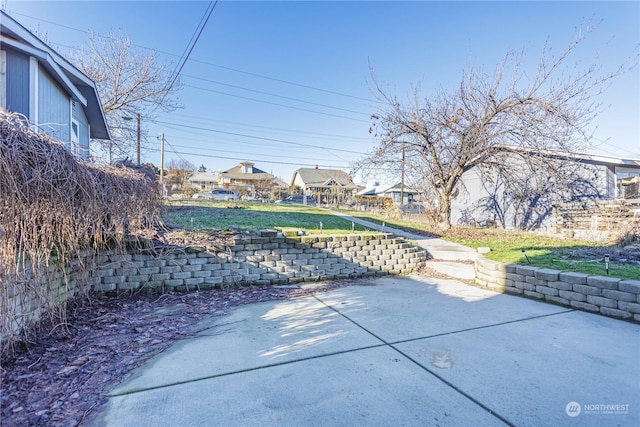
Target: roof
{"x": 382, "y": 189}
{"x": 578, "y": 157}
{"x": 237, "y": 174}
{"x": 78, "y": 85}
{"x": 204, "y": 176}
{"x": 314, "y": 177}
{"x": 279, "y": 182}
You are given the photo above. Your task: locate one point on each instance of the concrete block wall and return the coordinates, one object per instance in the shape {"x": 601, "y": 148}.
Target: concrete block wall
{"x": 605, "y": 295}
{"x": 252, "y": 260}
{"x": 259, "y": 261}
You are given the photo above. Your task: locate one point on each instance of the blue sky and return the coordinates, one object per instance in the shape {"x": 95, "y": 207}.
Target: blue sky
{"x": 288, "y": 84}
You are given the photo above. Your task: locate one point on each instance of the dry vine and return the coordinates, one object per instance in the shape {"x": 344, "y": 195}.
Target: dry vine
{"x": 56, "y": 210}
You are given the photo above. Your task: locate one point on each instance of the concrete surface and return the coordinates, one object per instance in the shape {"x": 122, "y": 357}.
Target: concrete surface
{"x": 444, "y": 254}
{"x": 393, "y": 351}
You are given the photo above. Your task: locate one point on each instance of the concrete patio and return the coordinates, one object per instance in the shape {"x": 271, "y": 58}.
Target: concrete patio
{"x": 391, "y": 351}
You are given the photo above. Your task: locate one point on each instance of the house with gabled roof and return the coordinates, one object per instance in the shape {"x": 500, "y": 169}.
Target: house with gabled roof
{"x": 325, "y": 185}
{"x": 53, "y": 95}
{"x": 400, "y": 194}
{"x": 204, "y": 180}
{"x": 246, "y": 179}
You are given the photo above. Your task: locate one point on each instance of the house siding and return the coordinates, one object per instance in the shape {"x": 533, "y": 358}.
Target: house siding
{"x": 485, "y": 196}
{"x": 77, "y": 113}
{"x": 53, "y": 108}
{"x": 17, "y": 79}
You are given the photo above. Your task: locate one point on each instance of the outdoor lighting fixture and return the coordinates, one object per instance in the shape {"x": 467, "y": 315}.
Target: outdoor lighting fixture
{"x": 606, "y": 263}
{"x": 382, "y": 229}
{"x": 353, "y": 226}
{"x": 525, "y": 255}
{"x": 320, "y": 227}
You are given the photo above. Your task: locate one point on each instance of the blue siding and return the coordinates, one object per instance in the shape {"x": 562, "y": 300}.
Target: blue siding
{"x": 79, "y": 115}
{"x": 17, "y": 83}
{"x": 53, "y": 108}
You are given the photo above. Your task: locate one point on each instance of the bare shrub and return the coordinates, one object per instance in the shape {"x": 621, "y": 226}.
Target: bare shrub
{"x": 629, "y": 234}
{"x": 56, "y": 210}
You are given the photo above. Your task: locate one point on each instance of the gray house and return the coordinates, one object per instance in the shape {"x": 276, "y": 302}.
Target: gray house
{"x": 53, "y": 95}
{"x": 324, "y": 185}
{"x": 522, "y": 194}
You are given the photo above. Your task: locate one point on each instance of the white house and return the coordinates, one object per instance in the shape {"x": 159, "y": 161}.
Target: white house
{"x": 325, "y": 185}
{"x": 53, "y": 95}
{"x": 395, "y": 192}
{"x": 523, "y": 197}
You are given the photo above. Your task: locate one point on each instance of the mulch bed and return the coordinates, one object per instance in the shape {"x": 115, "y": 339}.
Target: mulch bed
{"x": 59, "y": 378}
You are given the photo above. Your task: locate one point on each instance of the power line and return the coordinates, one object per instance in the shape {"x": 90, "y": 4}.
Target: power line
{"x": 216, "y": 65}
{"x": 272, "y": 94}
{"x": 279, "y": 105}
{"x": 180, "y": 153}
{"x": 294, "y": 131}
{"x": 208, "y": 13}
{"x": 239, "y": 152}
{"x": 254, "y": 137}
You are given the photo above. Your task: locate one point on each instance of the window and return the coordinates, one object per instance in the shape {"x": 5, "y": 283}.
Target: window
{"x": 75, "y": 136}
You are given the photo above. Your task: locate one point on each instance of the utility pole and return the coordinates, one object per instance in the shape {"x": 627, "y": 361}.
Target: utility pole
{"x": 138, "y": 141}
{"x": 402, "y": 177}
{"x": 162, "y": 164}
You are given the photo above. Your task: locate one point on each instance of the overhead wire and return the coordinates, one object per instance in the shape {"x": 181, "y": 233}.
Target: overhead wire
{"x": 351, "y": 139}
{"x": 210, "y": 8}
{"x": 279, "y": 105}
{"x": 180, "y": 153}
{"x": 218, "y": 150}
{"x": 288, "y": 82}
{"x": 274, "y": 95}
{"x": 254, "y": 137}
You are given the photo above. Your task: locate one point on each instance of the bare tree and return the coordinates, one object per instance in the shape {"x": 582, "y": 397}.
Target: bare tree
{"x": 522, "y": 191}
{"x": 178, "y": 172}
{"x": 444, "y": 135}
{"x": 129, "y": 82}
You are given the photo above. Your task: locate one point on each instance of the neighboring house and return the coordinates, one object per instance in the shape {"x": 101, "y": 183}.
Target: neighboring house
{"x": 52, "y": 94}
{"x": 395, "y": 192}
{"x": 522, "y": 197}
{"x": 204, "y": 181}
{"x": 247, "y": 180}
{"x": 325, "y": 185}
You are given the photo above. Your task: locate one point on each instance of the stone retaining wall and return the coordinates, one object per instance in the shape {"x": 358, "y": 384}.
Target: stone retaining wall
{"x": 260, "y": 261}
{"x": 246, "y": 261}
{"x": 598, "y": 294}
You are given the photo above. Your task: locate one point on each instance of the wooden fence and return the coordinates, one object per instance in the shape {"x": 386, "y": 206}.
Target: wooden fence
{"x": 605, "y": 215}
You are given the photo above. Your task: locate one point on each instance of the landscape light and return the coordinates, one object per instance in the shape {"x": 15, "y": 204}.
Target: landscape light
{"x": 320, "y": 227}
{"x": 606, "y": 263}
{"x": 525, "y": 255}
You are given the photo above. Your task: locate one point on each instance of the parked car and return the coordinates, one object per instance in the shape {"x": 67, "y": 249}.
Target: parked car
{"x": 217, "y": 194}
{"x": 298, "y": 200}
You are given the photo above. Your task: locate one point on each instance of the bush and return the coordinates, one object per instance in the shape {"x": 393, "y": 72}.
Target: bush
{"x": 54, "y": 205}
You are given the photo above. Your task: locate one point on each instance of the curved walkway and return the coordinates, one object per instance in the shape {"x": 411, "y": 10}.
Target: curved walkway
{"x": 448, "y": 258}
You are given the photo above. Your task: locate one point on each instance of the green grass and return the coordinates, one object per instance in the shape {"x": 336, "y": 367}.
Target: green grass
{"x": 557, "y": 253}
{"x": 208, "y": 215}
{"x": 542, "y": 251}
{"x": 545, "y": 251}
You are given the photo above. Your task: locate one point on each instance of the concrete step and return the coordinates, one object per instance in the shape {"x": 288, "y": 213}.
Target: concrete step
{"x": 456, "y": 270}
